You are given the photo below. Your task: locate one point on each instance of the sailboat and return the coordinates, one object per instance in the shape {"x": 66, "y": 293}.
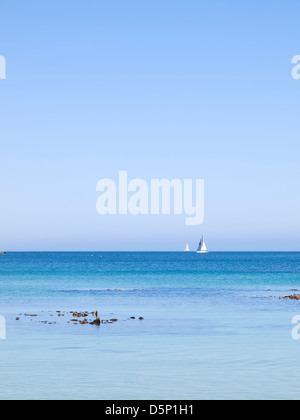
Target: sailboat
{"x": 187, "y": 249}
{"x": 202, "y": 247}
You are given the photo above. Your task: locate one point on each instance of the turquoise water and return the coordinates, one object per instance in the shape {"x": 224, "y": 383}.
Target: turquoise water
{"x": 214, "y": 326}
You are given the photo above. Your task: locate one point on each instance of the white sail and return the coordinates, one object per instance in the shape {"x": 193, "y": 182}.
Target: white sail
{"x": 202, "y": 247}
{"x": 187, "y": 249}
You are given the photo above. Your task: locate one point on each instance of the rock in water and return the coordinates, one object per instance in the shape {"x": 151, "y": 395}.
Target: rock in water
{"x": 96, "y": 322}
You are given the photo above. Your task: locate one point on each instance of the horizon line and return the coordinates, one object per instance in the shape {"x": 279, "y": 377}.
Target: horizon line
{"x": 144, "y": 251}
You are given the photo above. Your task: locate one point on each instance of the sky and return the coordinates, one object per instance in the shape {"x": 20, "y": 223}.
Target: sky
{"x": 161, "y": 89}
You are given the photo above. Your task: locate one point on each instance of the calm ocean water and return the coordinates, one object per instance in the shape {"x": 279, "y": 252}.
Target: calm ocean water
{"x": 214, "y": 326}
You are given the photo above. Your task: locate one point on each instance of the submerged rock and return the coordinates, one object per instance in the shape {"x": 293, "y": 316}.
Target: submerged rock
{"x": 75, "y": 318}
{"x": 79, "y": 314}
{"x": 291, "y": 297}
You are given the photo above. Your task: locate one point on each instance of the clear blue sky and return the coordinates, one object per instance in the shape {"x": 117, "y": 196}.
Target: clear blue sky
{"x": 189, "y": 89}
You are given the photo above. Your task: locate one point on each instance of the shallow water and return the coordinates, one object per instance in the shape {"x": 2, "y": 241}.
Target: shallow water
{"x": 213, "y": 326}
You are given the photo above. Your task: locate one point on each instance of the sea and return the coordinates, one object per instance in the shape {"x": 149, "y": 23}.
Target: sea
{"x": 213, "y": 326}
